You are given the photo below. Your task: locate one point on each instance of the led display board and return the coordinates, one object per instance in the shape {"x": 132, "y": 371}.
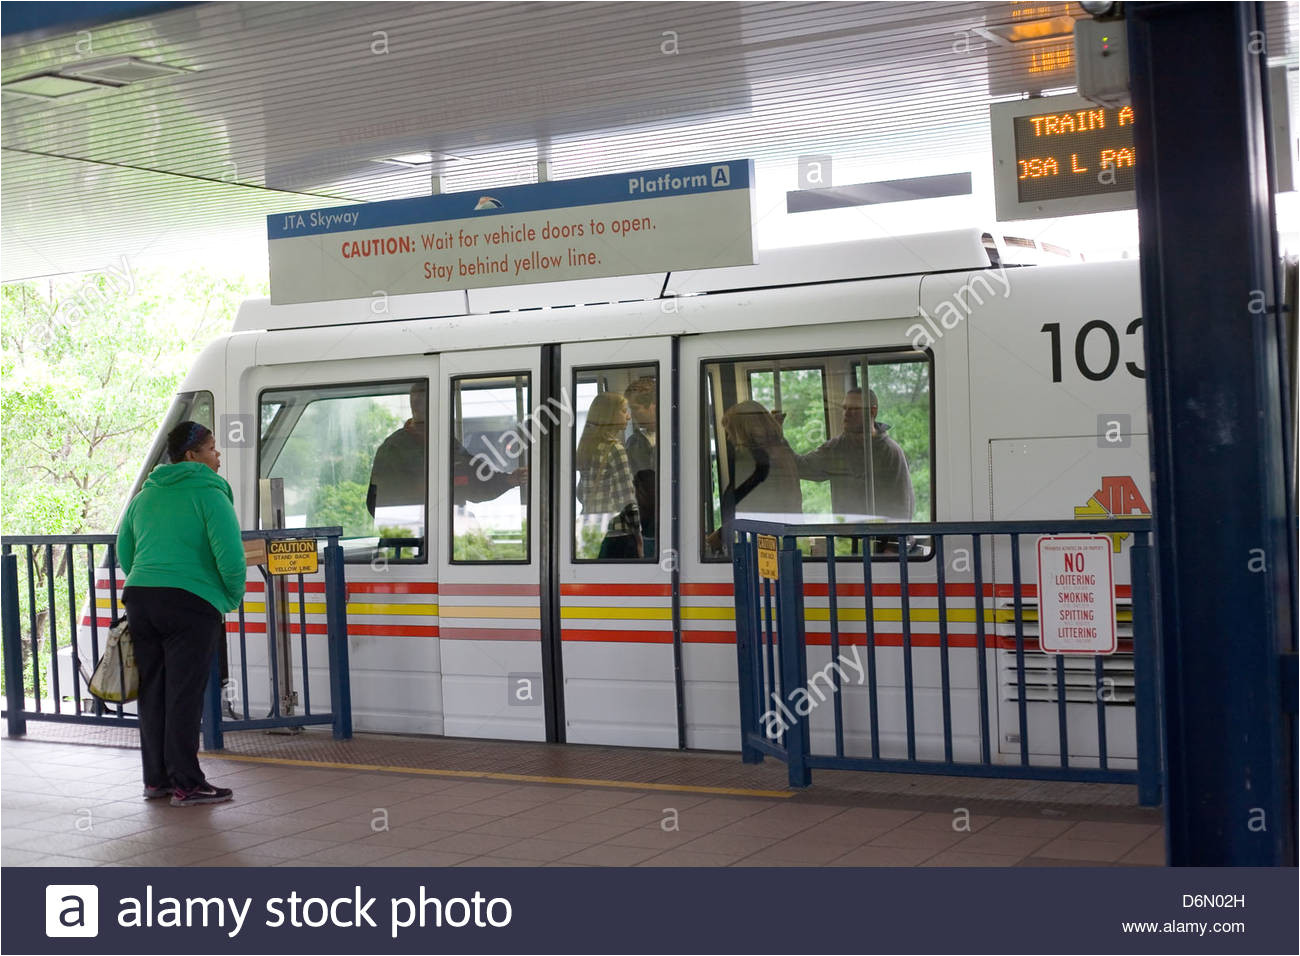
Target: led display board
{"x": 1061, "y": 156}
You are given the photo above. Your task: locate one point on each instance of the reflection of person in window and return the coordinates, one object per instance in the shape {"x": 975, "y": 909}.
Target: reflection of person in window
{"x": 843, "y": 462}
{"x": 606, "y": 491}
{"x": 762, "y": 470}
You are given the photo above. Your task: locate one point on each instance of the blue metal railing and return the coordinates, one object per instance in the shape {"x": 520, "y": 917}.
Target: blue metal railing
{"x": 778, "y": 701}
{"x": 39, "y": 694}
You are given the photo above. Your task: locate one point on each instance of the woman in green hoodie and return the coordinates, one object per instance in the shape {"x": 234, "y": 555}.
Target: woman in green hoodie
{"x": 181, "y": 549}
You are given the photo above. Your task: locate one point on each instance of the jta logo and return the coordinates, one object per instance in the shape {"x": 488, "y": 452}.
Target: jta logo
{"x": 1118, "y": 497}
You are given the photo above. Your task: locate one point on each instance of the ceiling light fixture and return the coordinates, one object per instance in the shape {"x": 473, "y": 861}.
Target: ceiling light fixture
{"x": 120, "y": 71}
{"x": 1024, "y": 32}
{"x": 93, "y": 75}
{"x": 52, "y": 86}
{"x": 421, "y": 159}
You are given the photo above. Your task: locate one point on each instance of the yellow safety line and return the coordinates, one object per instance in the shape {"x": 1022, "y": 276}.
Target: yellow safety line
{"x": 494, "y": 775}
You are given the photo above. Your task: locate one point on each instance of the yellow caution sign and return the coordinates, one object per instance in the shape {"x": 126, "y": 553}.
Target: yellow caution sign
{"x": 294, "y": 556}
{"x": 767, "y": 567}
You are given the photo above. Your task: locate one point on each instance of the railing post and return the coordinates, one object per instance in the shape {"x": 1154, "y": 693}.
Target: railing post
{"x": 1146, "y": 676}
{"x": 13, "y": 652}
{"x": 794, "y": 669}
{"x": 212, "y": 736}
{"x": 746, "y": 642}
{"x": 336, "y": 627}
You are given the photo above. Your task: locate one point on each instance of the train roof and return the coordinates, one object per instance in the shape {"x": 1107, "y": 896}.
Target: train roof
{"x": 955, "y": 250}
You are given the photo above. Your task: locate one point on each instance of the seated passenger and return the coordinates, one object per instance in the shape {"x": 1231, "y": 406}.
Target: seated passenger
{"x": 843, "y": 462}
{"x": 605, "y": 490}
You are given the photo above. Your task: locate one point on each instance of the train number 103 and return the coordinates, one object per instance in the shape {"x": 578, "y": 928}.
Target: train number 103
{"x": 1107, "y": 361}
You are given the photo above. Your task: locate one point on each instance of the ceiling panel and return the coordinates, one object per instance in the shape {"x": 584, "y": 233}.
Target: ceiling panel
{"x": 293, "y": 105}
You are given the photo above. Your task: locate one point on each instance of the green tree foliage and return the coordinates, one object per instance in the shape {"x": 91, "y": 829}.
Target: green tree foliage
{"x": 342, "y": 503}
{"x": 88, "y": 367}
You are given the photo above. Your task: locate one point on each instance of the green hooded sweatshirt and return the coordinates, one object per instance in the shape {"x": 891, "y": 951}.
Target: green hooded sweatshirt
{"x": 181, "y": 531}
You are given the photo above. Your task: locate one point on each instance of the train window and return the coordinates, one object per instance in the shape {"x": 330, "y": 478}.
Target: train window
{"x": 616, "y": 463}
{"x": 785, "y": 437}
{"x": 489, "y": 467}
{"x": 354, "y": 456}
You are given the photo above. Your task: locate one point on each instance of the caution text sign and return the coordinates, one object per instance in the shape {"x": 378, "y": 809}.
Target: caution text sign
{"x": 1076, "y": 603}
{"x": 767, "y": 566}
{"x": 295, "y": 556}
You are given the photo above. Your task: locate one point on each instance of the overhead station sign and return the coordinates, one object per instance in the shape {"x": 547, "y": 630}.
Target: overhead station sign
{"x": 1076, "y": 602}
{"x": 1061, "y": 156}
{"x": 685, "y": 217}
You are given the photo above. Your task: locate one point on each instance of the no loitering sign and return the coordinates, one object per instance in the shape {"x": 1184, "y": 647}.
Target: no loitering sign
{"x": 1076, "y": 603}
{"x": 659, "y": 220}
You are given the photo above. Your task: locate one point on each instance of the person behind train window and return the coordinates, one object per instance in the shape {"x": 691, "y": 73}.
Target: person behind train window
{"x": 763, "y": 471}
{"x": 843, "y": 462}
{"x": 642, "y": 402}
{"x": 606, "y": 490}
{"x": 181, "y": 548}
{"x": 643, "y": 451}
{"x": 474, "y": 479}
{"x": 647, "y": 503}
{"x": 399, "y": 474}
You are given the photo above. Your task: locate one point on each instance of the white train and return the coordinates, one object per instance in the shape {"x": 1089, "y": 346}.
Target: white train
{"x": 482, "y": 602}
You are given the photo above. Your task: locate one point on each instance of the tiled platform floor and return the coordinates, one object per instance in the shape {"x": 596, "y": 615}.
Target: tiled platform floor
{"x": 72, "y": 798}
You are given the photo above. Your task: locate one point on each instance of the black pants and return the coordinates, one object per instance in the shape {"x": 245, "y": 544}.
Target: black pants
{"x": 174, "y": 633}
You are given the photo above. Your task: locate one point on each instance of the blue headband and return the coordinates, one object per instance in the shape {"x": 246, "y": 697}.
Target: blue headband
{"x": 196, "y": 434}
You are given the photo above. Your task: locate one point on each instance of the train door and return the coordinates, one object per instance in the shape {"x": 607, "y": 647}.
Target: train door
{"x": 349, "y": 441}
{"x": 490, "y": 466}
{"x": 806, "y": 389}
{"x": 616, "y": 561}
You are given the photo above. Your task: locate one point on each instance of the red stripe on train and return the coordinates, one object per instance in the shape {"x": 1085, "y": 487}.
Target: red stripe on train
{"x": 619, "y": 636}
{"x": 618, "y": 590}
{"x": 490, "y": 634}
{"x": 490, "y": 589}
{"x": 370, "y": 630}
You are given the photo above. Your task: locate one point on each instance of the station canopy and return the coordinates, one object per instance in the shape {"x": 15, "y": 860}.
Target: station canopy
{"x": 183, "y": 126}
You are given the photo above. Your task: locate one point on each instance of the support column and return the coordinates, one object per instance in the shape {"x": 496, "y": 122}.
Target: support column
{"x": 1223, "y": 562}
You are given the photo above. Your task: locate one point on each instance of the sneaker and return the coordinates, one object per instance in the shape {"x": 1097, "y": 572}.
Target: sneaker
{"x": 206, "y": 793}
{"x": 156, "y": 793}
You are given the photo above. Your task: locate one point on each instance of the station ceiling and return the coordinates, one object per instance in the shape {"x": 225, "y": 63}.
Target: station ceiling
{"x": 261, "y": 108}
